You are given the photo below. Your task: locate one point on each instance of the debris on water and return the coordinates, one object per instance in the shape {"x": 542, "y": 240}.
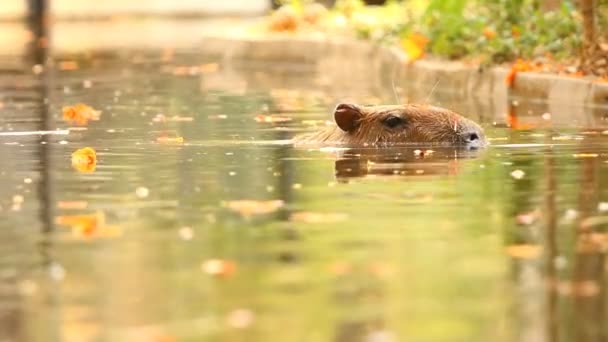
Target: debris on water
{"x": 340, "y": 268}
{"x": 27, "y": 180}
{"x": 583, "y": 288}
{"x": 546, "y": 116}
{"x": 585, "y": 155}
{"x": 37, "y": 69}
{"x": 56, "y": 271}
{"x": 602, "y": 206}
{"x": 232, "y": 173}
{"x": 592, "y": 242}
{"x": 271, "y": 118}
{"x": 380, "y": 336}
{"x": 80, "y": 114}
{"x": 593, "y": 221}
{"x": 570, "y": 215}
{"x": 72, "y": 204}
{"x": 186, "y": 233}
{"x": 170, "y": 140}
{"x": 269, "y": 188}
{"x": 142, "y": 192}
{"x": 518, "y": 174}
{"x": 248, "y": 208}
{"x": 529, "y": 218}
{"x": 161, "y": 118}
{"x": 17, "y": 202}
{"x": 18, "y": 199}
{"x": 217, "y": 117}
{"x": 240, "y": 318}
{"x": 312, "y": 217}
{"x": 84, "y": 160}
{"x": 87, "y": 84}
{"x": 68, "y": 65}
{"x": 567, "y": 137}
{"x": 63, "y": 142}
{"x": 524, "y": 251}
{"x": 219, "y": 267}
{"x": 89, "y": 226}
{"x": 296, "y": 186}
{"x": 560, "y": 262}
{"x": 27, "y": 287}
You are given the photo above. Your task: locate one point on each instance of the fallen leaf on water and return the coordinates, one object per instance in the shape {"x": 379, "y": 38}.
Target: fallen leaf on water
{"x": 89, "y": 225}
{"x": 310, "y": 217}
{"x": 170, "y": 140}
{"x": 585, "y": 155}
{"x": 583, "y": 288}
{"x": 217, "y": 117}
{"x": 219, "y": 267}
{"x": 240, "y": 318}
{"x": 593, "y": 221}
{"x": 68, "y": 65}
{"x": 209, "y": 68}
{"x": 84, "y": 160}
{"x": 592, "y": 243}
{"x": 524, "y": 251}
{"x": 518, "y": 174}
{"x": 340, "y": 268}
{"x": 248, "y": 208}
{"x": 80, "y": 114}
{"x": 271, "y": 118}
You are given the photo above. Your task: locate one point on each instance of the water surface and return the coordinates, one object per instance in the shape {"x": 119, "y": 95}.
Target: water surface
{"x": 236, "y": 235}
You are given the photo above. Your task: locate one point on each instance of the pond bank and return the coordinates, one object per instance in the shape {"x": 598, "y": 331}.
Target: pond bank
{"x": 363, "y": 61}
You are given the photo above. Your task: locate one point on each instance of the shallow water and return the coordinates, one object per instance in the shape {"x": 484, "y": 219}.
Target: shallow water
{"x": 157, "y": 244}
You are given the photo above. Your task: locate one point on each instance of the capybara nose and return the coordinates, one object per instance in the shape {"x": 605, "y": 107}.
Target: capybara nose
{"x": 473, "y": 139}
{"x": 470, "y": 137}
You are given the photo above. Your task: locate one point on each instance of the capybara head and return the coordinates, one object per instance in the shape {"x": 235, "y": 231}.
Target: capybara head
{"x": 409, "y": 123}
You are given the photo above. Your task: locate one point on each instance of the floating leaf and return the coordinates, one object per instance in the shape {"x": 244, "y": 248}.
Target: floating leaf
{"x": 248, "y": 208}
{"x": 219, "y": 267}
{"x": 271, "y": 118}
{"x": 170, "y": 140}
{"x": 524, "y": 251}
{"x": 84, "y": 160}
{"x": 89, "y": 226}
{"x": 80, "y": 114}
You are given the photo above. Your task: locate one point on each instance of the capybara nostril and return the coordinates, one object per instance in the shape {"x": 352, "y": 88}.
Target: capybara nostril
{"x": 472, "y": 137}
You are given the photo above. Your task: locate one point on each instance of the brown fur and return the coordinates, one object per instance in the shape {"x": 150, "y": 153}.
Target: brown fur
{"x": 423, "y": 124}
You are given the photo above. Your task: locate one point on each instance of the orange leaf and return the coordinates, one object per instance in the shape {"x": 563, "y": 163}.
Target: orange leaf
{"x": 489, "y": 33}
{"x": 271, "y": 118}
{"x": 80, "y": 114}
{"x": 84, "y": 160}
{"x": 414, "y": 46}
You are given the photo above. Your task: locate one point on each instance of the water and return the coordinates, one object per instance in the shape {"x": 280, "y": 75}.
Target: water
{"x": 236, "y": 235}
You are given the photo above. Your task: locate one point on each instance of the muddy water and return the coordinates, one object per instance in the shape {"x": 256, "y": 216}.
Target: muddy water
{"x": 235, "y": 235}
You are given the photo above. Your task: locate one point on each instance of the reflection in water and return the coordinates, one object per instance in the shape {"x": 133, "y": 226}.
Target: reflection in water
{"x": 234, "y": 235}
{"x": 411, "y": 161}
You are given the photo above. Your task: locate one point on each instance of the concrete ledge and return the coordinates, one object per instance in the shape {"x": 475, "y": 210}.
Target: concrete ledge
{"x": 362, "y": 61}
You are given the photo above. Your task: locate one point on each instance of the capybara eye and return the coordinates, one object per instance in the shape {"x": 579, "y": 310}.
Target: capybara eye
{"x": 393, "y": 121}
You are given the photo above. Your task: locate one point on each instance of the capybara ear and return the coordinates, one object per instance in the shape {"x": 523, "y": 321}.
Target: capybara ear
{"x": 347, "y": 116}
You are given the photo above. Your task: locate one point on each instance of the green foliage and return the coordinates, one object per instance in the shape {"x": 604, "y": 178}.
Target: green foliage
{"x": 490, "y": 30}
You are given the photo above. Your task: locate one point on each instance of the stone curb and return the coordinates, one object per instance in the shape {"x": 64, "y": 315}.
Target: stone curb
{"x": 343, "y": 56}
